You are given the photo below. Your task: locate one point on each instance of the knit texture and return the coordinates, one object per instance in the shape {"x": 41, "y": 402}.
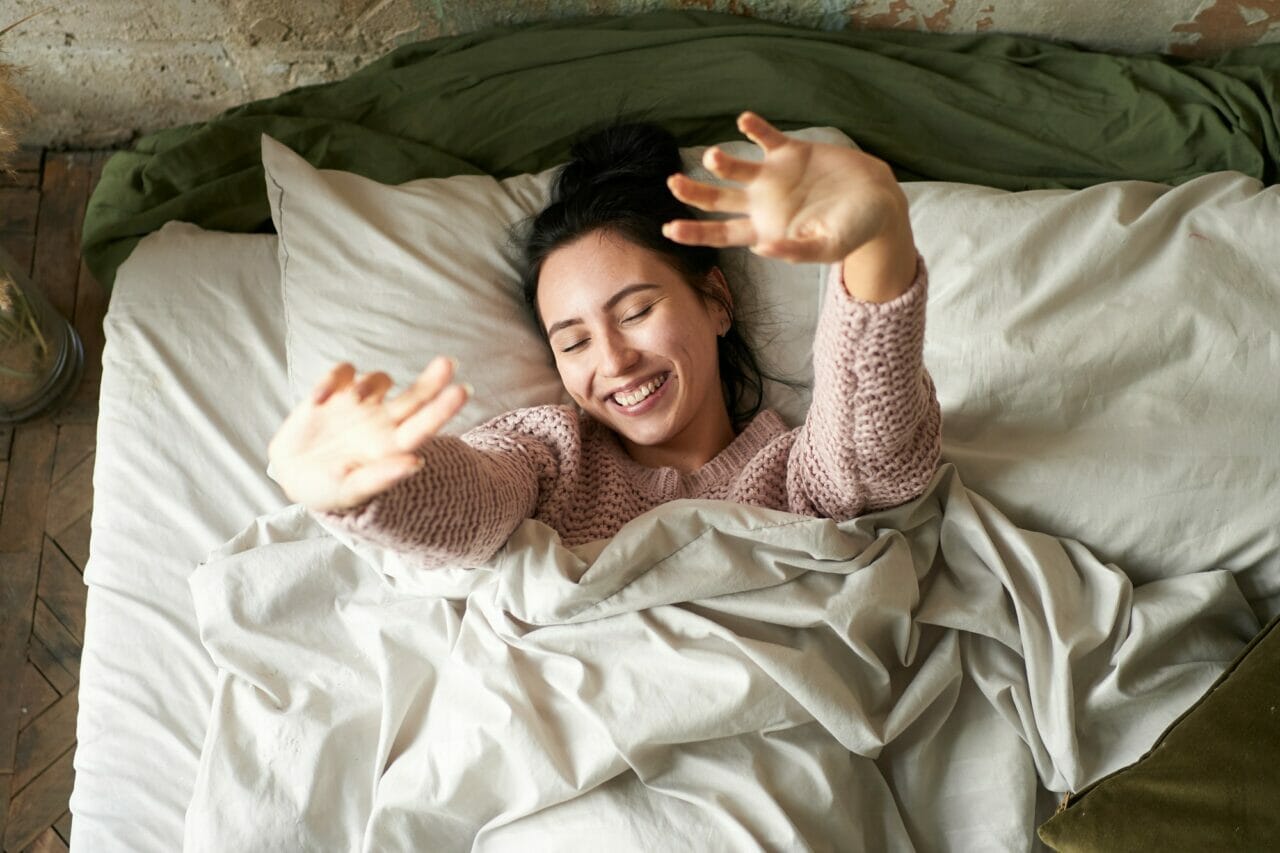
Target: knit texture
{"x": 871, "y": 439}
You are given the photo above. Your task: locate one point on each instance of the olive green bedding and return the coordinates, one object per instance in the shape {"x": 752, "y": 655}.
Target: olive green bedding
{"x": 1001, "y": 111}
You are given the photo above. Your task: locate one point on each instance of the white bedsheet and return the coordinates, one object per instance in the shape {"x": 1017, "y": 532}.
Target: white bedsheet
{"x": 193, "y": 377}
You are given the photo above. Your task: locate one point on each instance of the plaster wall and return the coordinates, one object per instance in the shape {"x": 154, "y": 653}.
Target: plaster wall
{"x": 103, "y": 71}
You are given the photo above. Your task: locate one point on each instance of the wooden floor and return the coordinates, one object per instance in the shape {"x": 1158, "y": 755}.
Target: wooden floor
{"x": 46, "y": 498}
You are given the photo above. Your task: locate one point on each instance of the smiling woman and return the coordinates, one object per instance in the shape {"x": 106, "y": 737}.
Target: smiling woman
{"x": 643, "y": 361}
{"x": 640, "y": 358}
{"x": 648, "y": 316}
{"x": 627, "y": 287}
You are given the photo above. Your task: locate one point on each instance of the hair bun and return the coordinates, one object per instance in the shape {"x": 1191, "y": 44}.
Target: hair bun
{"x": 640, "y": 154}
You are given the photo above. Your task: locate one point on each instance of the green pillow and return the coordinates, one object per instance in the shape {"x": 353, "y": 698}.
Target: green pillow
{"x": 1211, "y": 782}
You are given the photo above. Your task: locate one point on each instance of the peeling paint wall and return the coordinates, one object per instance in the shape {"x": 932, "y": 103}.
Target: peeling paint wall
{"x": 102, "y": 71}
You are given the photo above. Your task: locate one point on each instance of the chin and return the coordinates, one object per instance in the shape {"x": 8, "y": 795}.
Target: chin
{"x": 643, "y": 434}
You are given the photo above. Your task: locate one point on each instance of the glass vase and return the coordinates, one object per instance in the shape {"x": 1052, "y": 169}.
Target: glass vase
{"x": 41, "y": 357}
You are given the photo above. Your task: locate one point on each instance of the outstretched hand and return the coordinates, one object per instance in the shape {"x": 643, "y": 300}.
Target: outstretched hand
{"x": 805, "y": 202}
{"x": 347, "y": 443}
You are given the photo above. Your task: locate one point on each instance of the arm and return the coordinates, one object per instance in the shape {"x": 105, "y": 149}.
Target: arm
{"x": 873, "y": 434}
{"x": 463, "y": 503}
{"x": 376, "y": 467}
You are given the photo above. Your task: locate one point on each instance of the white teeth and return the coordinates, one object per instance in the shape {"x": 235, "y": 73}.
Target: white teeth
{"x": 633, "y": 397}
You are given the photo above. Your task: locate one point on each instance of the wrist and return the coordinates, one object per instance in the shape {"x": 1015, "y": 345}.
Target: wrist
{"x": 883, "y": 268}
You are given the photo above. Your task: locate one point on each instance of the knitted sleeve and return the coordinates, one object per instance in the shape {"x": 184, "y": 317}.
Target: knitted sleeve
{"x": 873, "y": 434}
{"x": 471, "y": 493}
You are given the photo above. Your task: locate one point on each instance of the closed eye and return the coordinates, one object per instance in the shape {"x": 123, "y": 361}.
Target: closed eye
{"x": 628, "y": 319}
{"x": 639, "y": 314}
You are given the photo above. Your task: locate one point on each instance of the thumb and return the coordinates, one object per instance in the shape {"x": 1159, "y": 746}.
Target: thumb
{"x": 373, "y": 479}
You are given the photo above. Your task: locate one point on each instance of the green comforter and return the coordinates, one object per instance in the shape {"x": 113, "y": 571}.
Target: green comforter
{"x": 1015, "y": 113}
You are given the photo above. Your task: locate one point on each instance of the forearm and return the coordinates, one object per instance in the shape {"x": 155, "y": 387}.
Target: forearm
{"x": 872, "y": 436}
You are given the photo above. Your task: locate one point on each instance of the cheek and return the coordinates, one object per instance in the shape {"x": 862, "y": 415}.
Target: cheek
{"x": 696, "y": 341}
{"x": 573, "y": 378}
{"x": 676, "y": 336}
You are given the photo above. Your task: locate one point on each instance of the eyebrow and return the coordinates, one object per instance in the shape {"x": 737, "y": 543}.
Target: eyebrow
{"x": 613, "y": 300}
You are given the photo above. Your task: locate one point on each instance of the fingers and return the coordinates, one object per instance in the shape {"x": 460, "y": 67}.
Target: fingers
{"x": 369, "y": 386}
{"x": 761, "y": 132}
{"x": 730, "y": 168}
{"x": 372, "y": 386}
{"x": 339, "y": 377}
{"x": 428, "y": 420}
{"x": 706, "y": 197}
{"x": 728, "y": 232}
{"x": 430, "y": 382}
{"x": 368, "y": 480}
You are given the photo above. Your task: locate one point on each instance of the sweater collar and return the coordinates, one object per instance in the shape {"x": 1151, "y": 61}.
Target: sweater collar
{"x": 724, "y": 466}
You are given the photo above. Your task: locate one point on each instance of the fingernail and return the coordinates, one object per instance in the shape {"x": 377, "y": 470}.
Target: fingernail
{"x": 468, "y": 389}
{"x": 453, "y": 364}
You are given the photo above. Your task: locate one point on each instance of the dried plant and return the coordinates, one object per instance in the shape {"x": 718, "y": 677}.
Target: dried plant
{"x": 14, "y": 107}
{"x": 23, "y": 347}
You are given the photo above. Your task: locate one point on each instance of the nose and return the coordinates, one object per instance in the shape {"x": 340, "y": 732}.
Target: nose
{"x": 617, "y": 355}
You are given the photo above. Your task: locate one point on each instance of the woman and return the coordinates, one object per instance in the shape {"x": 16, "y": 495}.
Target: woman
{"x": 625, "y": 286}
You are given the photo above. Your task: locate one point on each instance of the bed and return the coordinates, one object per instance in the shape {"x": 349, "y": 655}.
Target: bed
{"x": 1108, "y": 422}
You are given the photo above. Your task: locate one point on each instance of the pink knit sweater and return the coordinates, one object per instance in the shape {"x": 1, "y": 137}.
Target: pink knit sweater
{"x": 871, "y": 439}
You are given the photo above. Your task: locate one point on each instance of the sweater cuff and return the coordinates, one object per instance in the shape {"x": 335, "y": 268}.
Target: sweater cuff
{"x": 368, "y": 516}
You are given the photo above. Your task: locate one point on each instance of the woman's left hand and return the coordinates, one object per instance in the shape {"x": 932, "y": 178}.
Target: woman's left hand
{"x": 805, "y": 202}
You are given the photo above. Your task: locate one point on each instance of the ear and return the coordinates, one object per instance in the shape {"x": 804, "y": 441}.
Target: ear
{"x": 722, "y": 307}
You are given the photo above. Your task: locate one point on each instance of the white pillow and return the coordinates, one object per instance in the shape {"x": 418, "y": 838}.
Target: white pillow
{"x": 388, "y": 276}
{"x": 1108, "y": 364}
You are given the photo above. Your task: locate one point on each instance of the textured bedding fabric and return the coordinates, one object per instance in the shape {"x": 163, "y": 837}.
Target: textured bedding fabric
{"x": 733, "y": 677}
{"x": 1002, "y": 111}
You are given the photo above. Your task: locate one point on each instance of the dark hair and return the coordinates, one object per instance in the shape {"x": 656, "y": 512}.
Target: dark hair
{"x": 616, "y": 180}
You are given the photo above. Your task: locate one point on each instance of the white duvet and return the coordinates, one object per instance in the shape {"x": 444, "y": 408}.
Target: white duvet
{"x": 715, "y": 677}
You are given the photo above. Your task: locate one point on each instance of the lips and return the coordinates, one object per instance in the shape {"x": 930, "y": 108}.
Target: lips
{"x": 638, "y": 387}
{"x": 636, "y": 392}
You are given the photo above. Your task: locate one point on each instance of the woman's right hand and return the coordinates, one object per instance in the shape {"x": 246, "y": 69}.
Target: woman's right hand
{"x": 347, "y": 443}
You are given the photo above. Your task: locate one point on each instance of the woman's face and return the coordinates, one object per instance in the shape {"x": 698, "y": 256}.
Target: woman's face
{"x": 634, "y": 343}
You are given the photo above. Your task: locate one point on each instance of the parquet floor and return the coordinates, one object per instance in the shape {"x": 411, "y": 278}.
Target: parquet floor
{"x": 46, "y": 499}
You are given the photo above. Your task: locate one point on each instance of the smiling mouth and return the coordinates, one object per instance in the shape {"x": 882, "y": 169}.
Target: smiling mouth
{"x": 638, "y": 395}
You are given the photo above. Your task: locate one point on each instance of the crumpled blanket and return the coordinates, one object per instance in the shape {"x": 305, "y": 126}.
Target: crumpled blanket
{"x": 714, "y": 677}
